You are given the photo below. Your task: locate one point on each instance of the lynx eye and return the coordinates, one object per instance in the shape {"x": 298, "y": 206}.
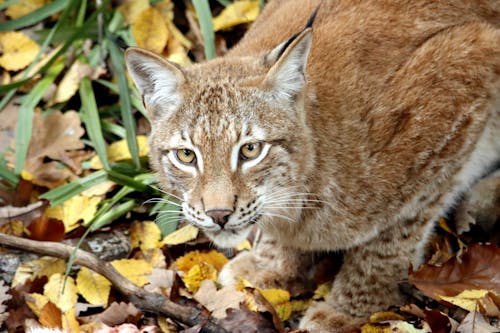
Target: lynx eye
{"x": 185, "y": 156}
{"x": 250, "y": 151}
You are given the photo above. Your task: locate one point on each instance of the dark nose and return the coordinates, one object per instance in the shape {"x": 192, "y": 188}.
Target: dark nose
{"x": 220, "y": 216}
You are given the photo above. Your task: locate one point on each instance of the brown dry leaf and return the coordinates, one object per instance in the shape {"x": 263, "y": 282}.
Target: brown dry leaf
{"x": 93, "y": 287}
{"x": 478, "y": 267}
{"x": 44, "y": 228}
{"x": 237, "y": 13}
{"x": 52, "y": 137}
{"x": 24, "y": 7}
{"x": 145, "y": 235}
{"x": 150, "y": 31}
{"x": 36, "y": 302}
{"x": 115, "y": 314}
{"x": 44, "y": 266}
{"x": 50, "y": 316}
{"x": 440, "y": 322}
{"x": 118, "y": 151}
{"x": 18, "y": 50}
{"x": 218, "y": 301}
{"x": 134, "y": 270}
{"x": 130, "y": 9}
{"x": 475, "y": 322}
{"x": 212, "y": 257}
{"x": 243, "y": 320}
{"x": 160, "y": 280}
{"x": 4, "y": 297}
{"x": 181, "y": 236}
{"x": 61, "y": 291}
{"x": 75, "y": 210}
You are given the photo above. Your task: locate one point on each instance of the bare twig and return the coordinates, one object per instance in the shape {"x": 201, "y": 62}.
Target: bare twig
{"x": 147, "y": 301}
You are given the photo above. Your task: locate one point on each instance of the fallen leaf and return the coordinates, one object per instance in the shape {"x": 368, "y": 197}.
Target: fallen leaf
{"x": 150, "y": 31}
{"x": 280, "y": 300}
{"x": 24, "y": 7}
{"x": 439, "y": 322}
{"x": 474, "y": 322}
{"x": 134, "y": 270}
{"x": 118, "y": 151}
{"x": 212, "y": 257}
{"x": 115, "y": 314}
{"x": 77, "y": 209}
{"x": 93, "y": 287}
{"x": 69, "y": 322}
{"x": 61, "y": 291}
{"x": 474, "y": 300}
{"x": 14, "y": 228}
{"x": 245, "y": 245}
{"x": 50, "y": 316}
{"x": 197, "y": 274}
{"x": 145, "y": 235}
{"x": 478, "y": 267}
{"x": 44, "y": 266}
{"x": 237, "y": 13}
{"x": 18, "y": 50}
{"x": 4, "y": 297}
{"x": 130, "y": 9}
{"x": 218, "y": 301}
{"x": 36, "y": 302}
{"x": 160, "y": 280}
{"x": 181, "y": 236}
{"x": 243, "y": 320}
{"x": 44, "y": 228}
{"x": 71, "y": 81}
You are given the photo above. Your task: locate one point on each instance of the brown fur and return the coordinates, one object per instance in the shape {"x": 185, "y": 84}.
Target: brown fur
{"x": 398, "y": 115}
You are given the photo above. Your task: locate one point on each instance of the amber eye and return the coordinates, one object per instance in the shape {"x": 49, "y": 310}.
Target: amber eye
{"x": 250, "y": 151}
{"x": 185, "y": 156}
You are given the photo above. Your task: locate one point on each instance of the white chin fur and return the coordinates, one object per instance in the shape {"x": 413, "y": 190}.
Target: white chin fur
{"x": 228, "y": 239}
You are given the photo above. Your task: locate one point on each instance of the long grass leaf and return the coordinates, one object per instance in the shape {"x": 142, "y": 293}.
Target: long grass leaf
{"x": 118, "y": 66}
{"x": 113, "y": 214}
{"x": 6, "y": 173}
{"x": 35, "y": 16}
{"x": 60, "y": 194}
{"x": 92, "y": 121}
{"x": 24, "y": 124}
{"x": 207, "y": 30}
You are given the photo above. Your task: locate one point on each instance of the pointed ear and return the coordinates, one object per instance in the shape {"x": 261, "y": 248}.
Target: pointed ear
{"x": 286, "y": 78}
{"x": 157, "y": 80}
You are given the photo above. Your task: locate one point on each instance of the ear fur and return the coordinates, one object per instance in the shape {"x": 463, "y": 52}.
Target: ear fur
{"x": 157, "y": 80}
{"x": 286, "y": 78}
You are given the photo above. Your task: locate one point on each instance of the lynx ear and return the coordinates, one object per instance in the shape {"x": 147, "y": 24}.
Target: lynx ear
{"x": 156, "y": 79}
{"x": 286, "y": 78}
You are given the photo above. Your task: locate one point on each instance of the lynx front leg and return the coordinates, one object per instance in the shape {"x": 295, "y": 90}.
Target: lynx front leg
{"x": 367, "y": 281}
{"x": 269, "y": 265}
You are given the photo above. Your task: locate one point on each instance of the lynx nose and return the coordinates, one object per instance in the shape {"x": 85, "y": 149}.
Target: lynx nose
{"x": 220, "y": 216}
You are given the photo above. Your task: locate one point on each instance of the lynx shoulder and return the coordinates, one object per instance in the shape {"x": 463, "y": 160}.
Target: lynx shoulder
{"x": 353, "y": 135}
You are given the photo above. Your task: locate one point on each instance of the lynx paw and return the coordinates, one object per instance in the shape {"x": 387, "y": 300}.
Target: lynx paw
{"x": 322, "y": 318}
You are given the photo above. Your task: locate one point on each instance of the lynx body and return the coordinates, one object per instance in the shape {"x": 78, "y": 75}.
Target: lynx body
{"x": 355, "y": 135}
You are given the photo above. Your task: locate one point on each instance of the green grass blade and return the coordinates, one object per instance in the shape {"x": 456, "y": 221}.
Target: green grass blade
{"x": 118, "y": 66}
{"x": 26, "y": 111}
{"x": 207, "y": 30}
{"x": 125, "y": 180}
{"x": 60, "y": 194}
{"x": 92, "y": 121}
{"x": 7, "y": 174}
{"x": 168, "y": 216}
{"x": 113, "y": 214}
{"x": 35, "y": 16}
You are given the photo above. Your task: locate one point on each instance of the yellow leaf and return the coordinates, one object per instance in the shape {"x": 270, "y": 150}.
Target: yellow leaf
{"x": 197, "y": 274}
{"x": 93, "y": 286}
{"x": 155, "y": 257}
{"x": 99, "y": 189}
{"x": 36, "y": 302}
{"x": 69, "y": 322}
{"x": 118, "y": 151}
{"x": 181, "y": 236}
{"x": 467, "y": 299}
{"x": 150, "y": 31}
{"x": 375, "y": 328}
{"x": 130, "y": 9}
{"x": 216, "y": 259}
{"x": 145, "y": 235}
{"x": 167, "y": 325}
{"x": 300, "y": 305}
{"x": 18, "y": 50}
{"x": 24, "y": 7}
{"x": 245, "y": 245}
{"x": 71, "y": 82}
{"x": 61, "y": 291}
{"x": 72, "y": 211}
{"x": 237, "y": 13}
{"x": 26, "y": 175}
{"x": 280, "y": 300}
{"x": 322, "y": 290}
{"x": 385, "y": 316}
{"x": 134, "y": 270}
{"x": 44, "y": 266}
{"x": 14, "y": 228}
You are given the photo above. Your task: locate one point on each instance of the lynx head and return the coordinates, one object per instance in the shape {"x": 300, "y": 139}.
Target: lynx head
{"x": 230, "y": 136}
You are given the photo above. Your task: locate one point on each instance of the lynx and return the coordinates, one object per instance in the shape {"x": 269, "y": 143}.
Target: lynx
{"x": 354, "y": 134}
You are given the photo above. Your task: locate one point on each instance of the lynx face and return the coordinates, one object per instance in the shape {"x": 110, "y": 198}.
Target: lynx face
{"x": 232, "y": 144}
